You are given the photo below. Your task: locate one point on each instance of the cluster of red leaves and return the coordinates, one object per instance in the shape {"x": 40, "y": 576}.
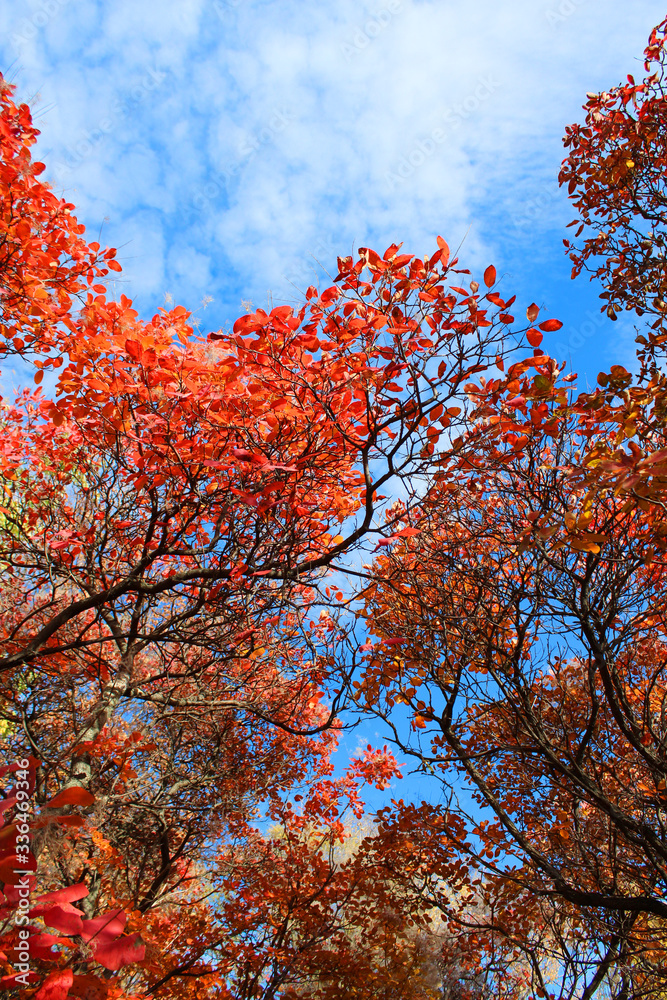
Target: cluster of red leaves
{"x": 522, "y": 627}
{"x": 165, "y": 522}
{"x": 615, "y": 175}
{"x": 166, "y": 525}
{"x": 521, "y": 619}
{"x": 31, "y": 953}
{"x": 46, "y": 263}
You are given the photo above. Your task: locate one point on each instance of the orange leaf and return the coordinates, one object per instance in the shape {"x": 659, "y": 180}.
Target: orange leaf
{"x": 583, "y": 545}
{"x": 534, "y": 338}
{"x": 73, "y": 821}
{"x": 532, "y": 312}
{"x": 490, "y": 276}
{"x": 550, "y": 325}
{"x": 56, "y": 985}
{"x": 75, "y": 796}
{"x": 444, "y": 257}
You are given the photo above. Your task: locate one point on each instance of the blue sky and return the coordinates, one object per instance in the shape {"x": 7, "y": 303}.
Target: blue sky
{"x": 228, "y": 146}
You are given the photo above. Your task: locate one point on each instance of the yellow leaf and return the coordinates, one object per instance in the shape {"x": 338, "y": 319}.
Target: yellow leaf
{"x": 548, "y": 531}
{"x": 583, "y": 545}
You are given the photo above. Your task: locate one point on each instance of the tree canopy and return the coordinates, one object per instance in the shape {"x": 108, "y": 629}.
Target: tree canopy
{"x": 388, "y": 502}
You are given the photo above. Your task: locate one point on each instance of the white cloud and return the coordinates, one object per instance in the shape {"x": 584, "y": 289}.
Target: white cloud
{"x": 228, "y": 142}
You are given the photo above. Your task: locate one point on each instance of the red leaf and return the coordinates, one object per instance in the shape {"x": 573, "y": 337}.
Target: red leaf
{"x": 10, "y": 982}
{"x": 10, "y": 871}
{"x": 67, "y": 895}
{"x": 444, "y": 256}
{"x": 532, "y": 312}
{"x": 9, "y": 769}
{"x": 243, "y": 454}
{"x": 114, "y": 265}
{"x": 329, "y": 295}
{"x": 240, "y": 636}
{"x": 104, "y": 929}
{"x": 63, "y": 917}
{"x": 283, "y": 313}
{"x": 75, "y": 796}
{"x": 56, "y": 985}
{"x": 122, "y": 952}
{"x": 550, "y": 325}
{"x": 7, "y": 866}
{"x": 89, "y": 988}
{"x": 490, "y": 276}
{"x": 250, "y": 323}
{"x": 534, "y": 338}
{"x": 133, "y": 348}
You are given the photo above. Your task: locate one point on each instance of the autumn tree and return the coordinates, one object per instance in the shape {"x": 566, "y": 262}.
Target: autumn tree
{"x": 169, "y": 673}
{"x": 615, "y": 176}
{"x": 523, "y": 628}
{"x": 177, "y": 518}
{"x": 521, "y": 625}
